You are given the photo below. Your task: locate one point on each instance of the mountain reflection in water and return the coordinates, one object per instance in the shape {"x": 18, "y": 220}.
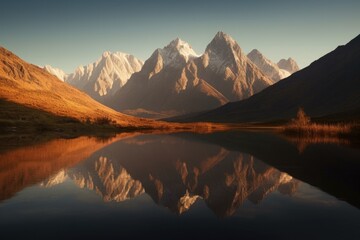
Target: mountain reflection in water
{"x": 223, "y": 171}
{"x": 175, "y": 173}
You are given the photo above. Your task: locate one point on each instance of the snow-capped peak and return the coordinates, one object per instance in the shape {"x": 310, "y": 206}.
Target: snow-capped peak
{"x": 221, "y": 36}
{"x": 259, "y": 59}
{"x": 269, "y": 68}
{"x": 289, "y": 65}
{"x": 223, "y": 52}
{"x": 106, "y": 54}
{"x": 57, "y": 72}
{"x": 105, "y": 76}
{"x": 176, "y": 53}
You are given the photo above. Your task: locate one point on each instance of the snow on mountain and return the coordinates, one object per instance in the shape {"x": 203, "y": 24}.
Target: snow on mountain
{"x": 107, "y": 75}
{"x": 269, "y": 68}
{"x": 177, "y": 53}
{"x": 163, "y": 86}
{"x": 289, "y": 65}
{"x": 223, "y": 52}
{"x": 329, "y": 86}
{"x": 226, "y": 68}
{"x": 175, "y": 79}
{"x": 57, "y": 72}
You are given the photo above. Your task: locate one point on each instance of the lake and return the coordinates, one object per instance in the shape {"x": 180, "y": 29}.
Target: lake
{"x": 223, "y": 185}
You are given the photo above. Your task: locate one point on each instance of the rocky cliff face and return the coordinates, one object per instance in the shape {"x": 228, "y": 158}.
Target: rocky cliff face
{"x": 332, "y": 80}
{"x": 103, "y": 78}
{"x": 289, "y": 65}
{"x": 106, "y": 76}
{"x": 269, "y": 68}
{"x": 175, "y": 80}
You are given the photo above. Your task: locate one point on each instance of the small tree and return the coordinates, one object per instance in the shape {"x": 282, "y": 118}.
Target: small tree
{"x": 103, "y": 121}
{"x": 301, "y": 118}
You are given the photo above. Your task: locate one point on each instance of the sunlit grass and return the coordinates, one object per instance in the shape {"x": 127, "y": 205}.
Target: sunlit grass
{"x": 302, "y": 126}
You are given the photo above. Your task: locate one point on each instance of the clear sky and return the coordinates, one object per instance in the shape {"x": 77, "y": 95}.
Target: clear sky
{"x": 69, "y": 33}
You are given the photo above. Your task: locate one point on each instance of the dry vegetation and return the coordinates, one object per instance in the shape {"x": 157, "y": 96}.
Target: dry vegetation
{"x": 303, "y": 127}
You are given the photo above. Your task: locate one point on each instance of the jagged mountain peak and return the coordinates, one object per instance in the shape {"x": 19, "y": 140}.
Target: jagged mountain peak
{"x": 222, "y": 41}
{"x": 223, "y": 36}
{"x": 116, "y": 55}
{"x": 268, "y": 67}
{"x": 255, "y": 52}
{"x": 106, "y": 54}
{"x": 106, "y": 75}
{"x": 176, "y": 53}
{"x": 177, "y": 42}
{"x": 223, "y": 54}
{"x": 57, "y": 72}
{"x": 289, "y": 65}
{"x": 223, "y": 46}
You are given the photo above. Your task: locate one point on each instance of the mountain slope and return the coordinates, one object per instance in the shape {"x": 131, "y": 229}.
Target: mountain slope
{"x": 289, "y": 65}
{"x": 105, "y": 76}
{"x": 175, "y": 80}
{"x": 57, "y": 72}
{"x": 162, "y": 84}
{"x": 329, "y": 85}
{"x": 33, "y": 87}
{"x": 227, "y": 69}
{"x": 269, "y": 68}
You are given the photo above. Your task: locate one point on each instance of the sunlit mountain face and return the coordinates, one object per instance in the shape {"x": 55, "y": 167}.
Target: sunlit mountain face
{"x": 333, "y": 81}
{"x": 176, "y": 80}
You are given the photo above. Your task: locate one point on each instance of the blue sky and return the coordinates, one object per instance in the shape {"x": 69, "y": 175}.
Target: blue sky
{"x": 67, "y": 34}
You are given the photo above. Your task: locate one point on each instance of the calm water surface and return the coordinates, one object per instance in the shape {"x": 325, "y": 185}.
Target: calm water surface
{"x": 237, "y": 185}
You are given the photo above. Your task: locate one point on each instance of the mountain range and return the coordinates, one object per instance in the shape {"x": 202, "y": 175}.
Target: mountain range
{"x": 26, "y": 86}
{"x": 175, "y": 80}
{"x": 276, "y": 72}
{"x": 101, "y": 79}
{"x": 328, "y": 87}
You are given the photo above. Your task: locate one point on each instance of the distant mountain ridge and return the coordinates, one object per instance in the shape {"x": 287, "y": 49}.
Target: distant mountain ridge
{"x": 275, "y": 71}
{"x": 102, "y": 78}
{"x": 328, "y": 86}
{"x": 177, "y": 80}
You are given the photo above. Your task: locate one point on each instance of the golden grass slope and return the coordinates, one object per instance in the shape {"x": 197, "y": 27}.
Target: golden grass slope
{"x": 31, "y": 86}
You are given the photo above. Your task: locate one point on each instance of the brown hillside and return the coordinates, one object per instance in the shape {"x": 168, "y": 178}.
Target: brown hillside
{"x": 31, "y": 86}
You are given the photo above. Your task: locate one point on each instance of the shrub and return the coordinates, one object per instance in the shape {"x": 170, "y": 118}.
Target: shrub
{"x": 103, "y": 121}
{"x": 302, "y": 126}
{"x": 301, "y": 118}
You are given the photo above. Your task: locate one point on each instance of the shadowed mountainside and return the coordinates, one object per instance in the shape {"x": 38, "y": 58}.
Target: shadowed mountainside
{"x": 176, "y": 80}
{"x": 328, "y": 86}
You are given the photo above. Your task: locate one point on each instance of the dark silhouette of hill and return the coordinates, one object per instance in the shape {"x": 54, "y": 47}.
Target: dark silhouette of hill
{"x": 328, "y": 86}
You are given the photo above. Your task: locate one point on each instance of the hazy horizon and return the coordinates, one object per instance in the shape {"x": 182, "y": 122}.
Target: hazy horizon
{"x": 66, "y": 34}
